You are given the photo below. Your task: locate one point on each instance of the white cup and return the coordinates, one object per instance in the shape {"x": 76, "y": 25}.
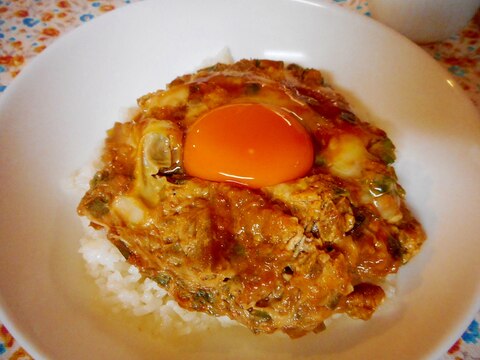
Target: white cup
{"x": 424, "y": 21}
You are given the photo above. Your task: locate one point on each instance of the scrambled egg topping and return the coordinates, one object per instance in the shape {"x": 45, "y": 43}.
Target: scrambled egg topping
{"x": 281, "y": 257}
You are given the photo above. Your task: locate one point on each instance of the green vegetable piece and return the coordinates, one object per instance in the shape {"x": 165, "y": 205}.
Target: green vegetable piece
{"x": 339, "y": 191}
{"x": 348, "y": 117}
{"x": 379, "y": 188}
{"x": 211, "y": 68}
{"x": 98, "y": 207}
{"x": 385, "y": 150}
{"x": 252, "y": 88}
{"x": 261, "y": 316}
{"x": 162, "y": 279}
{"x": 333, "y": 302}
{"x": 383, "y": 185}
{"x": 204, "y": 296}
{"x": 239, "y": 250}
{"x": 320, "y": 160}
{"x": 400, "y": 191}
{"x": 99, "y": 177}
{"x": 386, "y": 185}
{"x": 395, "y": 248}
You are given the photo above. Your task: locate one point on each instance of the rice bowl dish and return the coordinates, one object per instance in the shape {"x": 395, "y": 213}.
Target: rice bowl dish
{"x": 195, "y": 194}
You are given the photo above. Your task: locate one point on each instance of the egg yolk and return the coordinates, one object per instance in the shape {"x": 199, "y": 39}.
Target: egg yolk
{"x": 254, "y": 145}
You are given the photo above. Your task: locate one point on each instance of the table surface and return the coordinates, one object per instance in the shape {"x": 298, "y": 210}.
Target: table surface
{"x": 27, "y": 27}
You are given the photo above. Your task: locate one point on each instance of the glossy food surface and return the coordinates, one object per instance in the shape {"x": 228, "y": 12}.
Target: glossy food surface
{"x": 249, "y": 144}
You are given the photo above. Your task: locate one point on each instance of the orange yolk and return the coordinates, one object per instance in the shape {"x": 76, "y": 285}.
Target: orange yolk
{"x": 249, "y": 144}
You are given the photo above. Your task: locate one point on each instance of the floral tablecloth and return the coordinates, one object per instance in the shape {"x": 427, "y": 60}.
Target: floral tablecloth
{"x": 27, "y": 27}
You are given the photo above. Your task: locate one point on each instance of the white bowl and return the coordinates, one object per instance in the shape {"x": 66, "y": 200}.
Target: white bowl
{"x": 425, "y": 21}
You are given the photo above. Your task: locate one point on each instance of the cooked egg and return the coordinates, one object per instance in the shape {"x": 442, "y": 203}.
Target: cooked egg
{"x": 129, "y": 209}
{"x": 254, "y": 145}
{"x": 346, "y": 155}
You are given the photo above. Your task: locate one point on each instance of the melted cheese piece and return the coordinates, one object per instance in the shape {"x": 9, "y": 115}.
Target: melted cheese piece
{"x": 346, "y": 156}
{"x": 171, "y": 98}
{"x": 129, "y": 209}
{"x": 160, "y": 148}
